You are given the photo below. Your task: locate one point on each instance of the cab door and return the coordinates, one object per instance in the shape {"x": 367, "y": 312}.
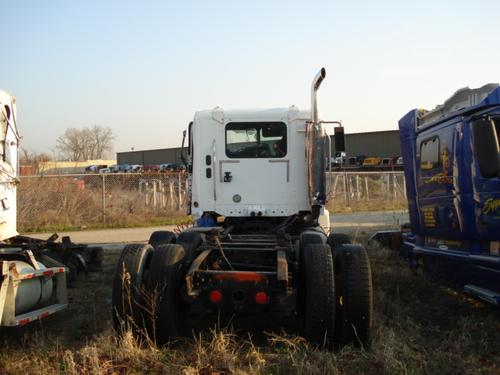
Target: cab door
{"x": 436, "y": 183}
{"x": 486, "y": 179}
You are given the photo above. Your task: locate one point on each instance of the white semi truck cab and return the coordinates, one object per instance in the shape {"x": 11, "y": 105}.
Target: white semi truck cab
{"x": 249, "y": 163}
{"x": 9, "y": 139}
{"x": 262, "y": 163}
{"x": 31, "y": 287}
{"x": 260, "y": 245}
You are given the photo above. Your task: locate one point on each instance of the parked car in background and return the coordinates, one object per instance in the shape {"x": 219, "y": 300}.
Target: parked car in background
{"x": 372, "y": 161}
{"x": 95, "y": 168}
{"x": 167, "y": 167}
{"x": 390, "y": 162}
{"x": 360, "y": 159}
{"x": 151, "y": 168}
{"x": 135, "y": 168}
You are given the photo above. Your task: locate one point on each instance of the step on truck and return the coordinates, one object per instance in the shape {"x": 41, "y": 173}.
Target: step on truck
{"x": 452, "y": 173}
{"x": 260, "y": 247}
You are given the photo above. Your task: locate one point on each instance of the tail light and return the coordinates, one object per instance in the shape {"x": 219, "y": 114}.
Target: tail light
{"x": 216, "y": 296}
{"x": 261, "y": 298}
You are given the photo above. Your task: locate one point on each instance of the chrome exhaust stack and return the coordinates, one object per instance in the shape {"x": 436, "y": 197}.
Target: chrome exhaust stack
{"x": 315, "y": 151}
{"x": 314, "y": 96}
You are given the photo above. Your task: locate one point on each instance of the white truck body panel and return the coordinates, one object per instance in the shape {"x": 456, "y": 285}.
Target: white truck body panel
{"x": 269, "y": 187}
{"x": 9, "y": 142}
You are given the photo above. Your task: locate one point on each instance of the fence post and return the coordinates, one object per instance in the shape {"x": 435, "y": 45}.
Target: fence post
{"x": 345, "y": 190}
{"x": 366, "y": 188}
{"x": 171, "y": 191}
{"x": 394, "y": 186}
{"x": 358, "y": 192}
{"x": 154, "y": 195}
{"x": 334, "y": 191}
{"x": 179, "y": 196}
{"x": 404, "y": 186}
{"x": 103, "y": 198}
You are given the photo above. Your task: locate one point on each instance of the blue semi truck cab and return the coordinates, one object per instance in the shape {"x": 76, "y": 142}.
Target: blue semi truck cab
{"x": 452, "y": 171}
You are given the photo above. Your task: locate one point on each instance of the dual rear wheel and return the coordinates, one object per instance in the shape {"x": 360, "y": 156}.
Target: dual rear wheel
{"x": 336, "y": 301}
{"x": 145, "y": 296}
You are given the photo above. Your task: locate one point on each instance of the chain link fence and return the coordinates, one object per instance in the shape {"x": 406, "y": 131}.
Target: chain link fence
{"x": 366, "y": 191}
{"x": 120, "y": 199}
{"x": 87, "y": 200}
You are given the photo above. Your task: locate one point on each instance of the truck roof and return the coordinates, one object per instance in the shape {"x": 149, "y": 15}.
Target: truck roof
{"x": 463, "y": 100}
{"x": 263, "y": 114}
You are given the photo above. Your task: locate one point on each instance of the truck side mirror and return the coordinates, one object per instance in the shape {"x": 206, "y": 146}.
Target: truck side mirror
{"x": 339, "y": 139}
{"x": 486, "y": 147}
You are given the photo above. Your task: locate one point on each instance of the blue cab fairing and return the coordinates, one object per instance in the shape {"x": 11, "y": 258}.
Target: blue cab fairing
{"x": 454, "y": 210}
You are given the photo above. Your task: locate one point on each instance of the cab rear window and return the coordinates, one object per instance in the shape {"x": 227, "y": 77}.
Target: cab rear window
{"x": 250, "y": 140}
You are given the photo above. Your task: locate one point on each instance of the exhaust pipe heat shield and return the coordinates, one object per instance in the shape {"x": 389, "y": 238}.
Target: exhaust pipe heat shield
{"x": 315, "y": 150}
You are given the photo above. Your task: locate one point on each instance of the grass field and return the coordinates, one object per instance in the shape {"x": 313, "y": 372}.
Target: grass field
{"x": 420, "y": 327}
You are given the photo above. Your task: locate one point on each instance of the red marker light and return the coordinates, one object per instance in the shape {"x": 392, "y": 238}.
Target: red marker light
{"x": 261, "y": 298}
{"x": 215, "y": 296}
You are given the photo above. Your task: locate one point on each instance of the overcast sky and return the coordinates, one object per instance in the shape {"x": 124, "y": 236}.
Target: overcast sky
{"x": 144, "y": 67}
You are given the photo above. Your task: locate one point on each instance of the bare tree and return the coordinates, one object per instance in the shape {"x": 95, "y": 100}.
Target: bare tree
{"x": 32, "y": 162}
{"x": 102, "y": 140}
{"x": 86, "y": 143}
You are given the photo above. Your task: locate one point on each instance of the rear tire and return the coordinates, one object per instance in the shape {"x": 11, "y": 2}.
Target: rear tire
{"x": 190, "y": 241}
{"x": 128, "y": 288}
{"x": 354, "y": 293}
{"x": 164, "y": 281}
{"x": 318, "y": 295}
{"x": 337, "y": 239}
{"x": 161, "y": 237}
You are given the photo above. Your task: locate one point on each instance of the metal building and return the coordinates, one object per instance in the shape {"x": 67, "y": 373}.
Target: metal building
{"x": 145, "y": 157}
{"x": 380, "y": 143}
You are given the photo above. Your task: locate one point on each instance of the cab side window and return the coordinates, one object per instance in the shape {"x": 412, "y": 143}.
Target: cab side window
{"x": 4, "y": 123}
{"x": 486, "y": 135}
{"x": 429, "y": 154}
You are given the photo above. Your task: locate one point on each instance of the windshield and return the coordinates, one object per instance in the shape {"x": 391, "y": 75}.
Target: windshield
{"x": 256, "y": 140}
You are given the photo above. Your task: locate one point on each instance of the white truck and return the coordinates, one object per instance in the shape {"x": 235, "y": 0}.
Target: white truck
{"x": 260, "y": 246}
{"x": 31, "y": 287}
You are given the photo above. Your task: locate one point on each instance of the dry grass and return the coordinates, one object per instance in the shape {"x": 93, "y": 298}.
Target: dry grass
{"x": 421, "y": 327}
{"x": 65, "y": 203}
{"x": 367, "y": 205}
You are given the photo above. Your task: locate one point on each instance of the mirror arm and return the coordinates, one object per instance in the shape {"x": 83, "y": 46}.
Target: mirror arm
{"x": 183, "y": 157}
